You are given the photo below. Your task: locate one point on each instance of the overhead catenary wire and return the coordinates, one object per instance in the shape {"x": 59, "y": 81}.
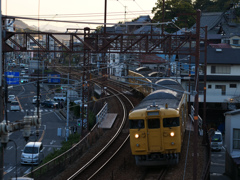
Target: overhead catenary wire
{"x": 81, "y": 22}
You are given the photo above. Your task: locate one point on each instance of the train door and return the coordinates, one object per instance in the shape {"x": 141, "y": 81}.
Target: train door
{"x": 154, "y": 135}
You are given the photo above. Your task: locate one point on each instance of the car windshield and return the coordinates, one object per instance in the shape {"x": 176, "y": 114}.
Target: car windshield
{"x": 217, "y": 138}
{"x": 14, "y": 103}
{"x": 31, "y": 150}
{"x": 11, "y": 96}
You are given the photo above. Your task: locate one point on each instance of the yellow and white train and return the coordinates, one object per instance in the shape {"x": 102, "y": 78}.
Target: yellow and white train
{"x": 157, "y": 124}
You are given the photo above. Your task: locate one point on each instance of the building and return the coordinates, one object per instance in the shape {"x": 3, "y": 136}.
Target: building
{"x": 232, "y": 144}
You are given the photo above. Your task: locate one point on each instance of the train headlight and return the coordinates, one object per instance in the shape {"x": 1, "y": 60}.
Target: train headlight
{"x": 172, "y": 134}
{"x": 137, "y": 136}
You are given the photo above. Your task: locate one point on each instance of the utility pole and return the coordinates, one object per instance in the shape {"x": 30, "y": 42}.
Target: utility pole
{"x": 197, "y": 56}
{"x": 1, "y": 93}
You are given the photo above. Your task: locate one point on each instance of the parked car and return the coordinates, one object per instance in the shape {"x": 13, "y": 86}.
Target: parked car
{"x": 32, "y": 153}
{"x": 14, "y": 106}
{"x": 11, "y": 98}
{"x": 22, "y": 65}
{"x": 49, "y": 103}
{"x": 217, "y": 141}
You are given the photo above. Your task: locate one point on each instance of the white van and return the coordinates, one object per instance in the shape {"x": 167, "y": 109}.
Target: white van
{"x": 217, "y": 141}
{"x": 32, "y": 153}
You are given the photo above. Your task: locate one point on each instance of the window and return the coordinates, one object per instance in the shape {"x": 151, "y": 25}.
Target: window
{"x": 153, "y": 123}
{"x": 136, "y": 124}
{"x": 235, "y": 41}
{"x": 171, "y": 122}
{"x": 220, "y": 69}
{"x": 226, "y": 41}
{"x": 236, "y": 138}
{"x": 113, "y": 57}
{"x": 233, "y": 85}
{"x": 209, "y": 86}
{"x": 222, "y": 87}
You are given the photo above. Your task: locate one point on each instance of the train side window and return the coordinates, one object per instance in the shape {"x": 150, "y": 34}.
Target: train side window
{"x": 153, "y": 123}
{"x": 136, "y": 124}
{"x": 170, "y": 122}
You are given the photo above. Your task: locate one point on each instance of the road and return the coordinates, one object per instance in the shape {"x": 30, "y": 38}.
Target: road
{"x": 217, "y": 169}
{"x": 49, "y": 130}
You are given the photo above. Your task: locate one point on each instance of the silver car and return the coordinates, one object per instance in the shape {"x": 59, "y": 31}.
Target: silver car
{"x": 32, "y": 153}
{"x": 11, "y": 98}
{"x": 14, "y": 106}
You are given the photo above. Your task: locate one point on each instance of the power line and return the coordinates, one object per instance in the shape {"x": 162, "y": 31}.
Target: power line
{"x": 79, "y": 22}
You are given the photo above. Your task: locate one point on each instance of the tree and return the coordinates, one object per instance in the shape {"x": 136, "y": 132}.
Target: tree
{"x": 214, "y": 6}
{"x": 203, "y": 5}
{"x": 174, "y": 8}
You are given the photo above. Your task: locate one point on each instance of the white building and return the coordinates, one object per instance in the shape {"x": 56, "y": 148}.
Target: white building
{"x": 223, "y": 77}
{"x": 232, "y": 143}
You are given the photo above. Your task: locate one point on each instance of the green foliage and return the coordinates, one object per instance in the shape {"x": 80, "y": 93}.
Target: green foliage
{"x": 66, "y": 145}
{"x": 214, "y": 6}
{"x": 175, "y": 8}
{"x": 99, "y": 28}
{"x": 91, "y": 119}
{"x": 76, "y": 110}
{"x": 183, "y": 9}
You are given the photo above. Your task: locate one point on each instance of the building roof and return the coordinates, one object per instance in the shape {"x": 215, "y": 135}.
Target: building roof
{"x": 211, "y": 20}
{"x": 151, "y": 59}
{"x": 231, "y": 30}
{"x": 220, "y": 46}
{"x": 147, "y": 29}
{"x": 232, "y": 112}
{"x": 219, "y": 55}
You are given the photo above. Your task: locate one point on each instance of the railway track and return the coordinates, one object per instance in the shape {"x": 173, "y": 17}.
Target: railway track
{"x": 100, "y": 160}
{"x": 96, "y": 160}
{"x": 155, "y": 173}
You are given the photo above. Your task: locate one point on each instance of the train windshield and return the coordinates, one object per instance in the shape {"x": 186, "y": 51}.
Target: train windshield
{"x": 153, "y": 123}
{"x": 136, "y": 124}
{"x": 170, "y": 122}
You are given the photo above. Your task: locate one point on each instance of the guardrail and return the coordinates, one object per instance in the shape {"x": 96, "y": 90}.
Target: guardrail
{"x": 102, "y": 113}
{"x": 200, "y": 130}
{"x": 57, "y": 165}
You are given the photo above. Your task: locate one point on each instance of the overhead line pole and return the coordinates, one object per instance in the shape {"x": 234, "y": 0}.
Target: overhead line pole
{"x": 197, "y": 56}
{"x": 1, "y": 94}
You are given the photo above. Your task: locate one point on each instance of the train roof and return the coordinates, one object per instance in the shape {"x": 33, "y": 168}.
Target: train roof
{"x": 168, "y": 92}
{"x": 160, "y": 98}
{"x": 169, "y": 84}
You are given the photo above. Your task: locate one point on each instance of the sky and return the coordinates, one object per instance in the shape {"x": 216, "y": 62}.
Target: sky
{"x": 79, "y": 11}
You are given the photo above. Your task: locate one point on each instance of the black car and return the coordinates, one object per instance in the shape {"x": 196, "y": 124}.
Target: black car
{"x": 49, "y": 103}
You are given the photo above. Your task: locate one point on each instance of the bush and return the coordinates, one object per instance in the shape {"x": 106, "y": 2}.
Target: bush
{"x": 66, "y": 145}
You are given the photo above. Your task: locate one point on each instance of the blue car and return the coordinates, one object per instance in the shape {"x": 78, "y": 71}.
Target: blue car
{"x": 49, "y": 103}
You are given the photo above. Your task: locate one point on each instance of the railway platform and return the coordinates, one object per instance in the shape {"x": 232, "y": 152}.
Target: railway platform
{"x": 108, "y": 121}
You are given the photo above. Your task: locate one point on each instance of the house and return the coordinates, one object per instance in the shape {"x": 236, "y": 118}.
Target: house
{"x": 232, "y": 144}
{"x": 223, "y": 77}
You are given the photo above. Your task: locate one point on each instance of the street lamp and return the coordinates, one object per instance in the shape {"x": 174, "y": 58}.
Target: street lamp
{"x": 15, "y": 154}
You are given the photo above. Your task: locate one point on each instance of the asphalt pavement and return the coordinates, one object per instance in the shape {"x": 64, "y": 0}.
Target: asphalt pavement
{"x": 217, "y": 169}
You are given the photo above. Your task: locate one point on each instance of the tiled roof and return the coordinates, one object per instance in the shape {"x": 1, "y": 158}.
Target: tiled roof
{"x": 210, "y": 19}
{"x": 220, "y": 46}
{"x": 231, "y": 30}
{"x": 216, "y": 56}
{"x": 147, "y": 29}
{"x": 151, "y": 59}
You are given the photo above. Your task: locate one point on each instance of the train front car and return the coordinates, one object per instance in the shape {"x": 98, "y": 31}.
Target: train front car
{"x": 157, "y": 126}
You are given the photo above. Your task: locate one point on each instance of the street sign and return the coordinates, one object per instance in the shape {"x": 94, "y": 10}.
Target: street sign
{"x": 12, "y": 77}
{"x": 53, "y": 78}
